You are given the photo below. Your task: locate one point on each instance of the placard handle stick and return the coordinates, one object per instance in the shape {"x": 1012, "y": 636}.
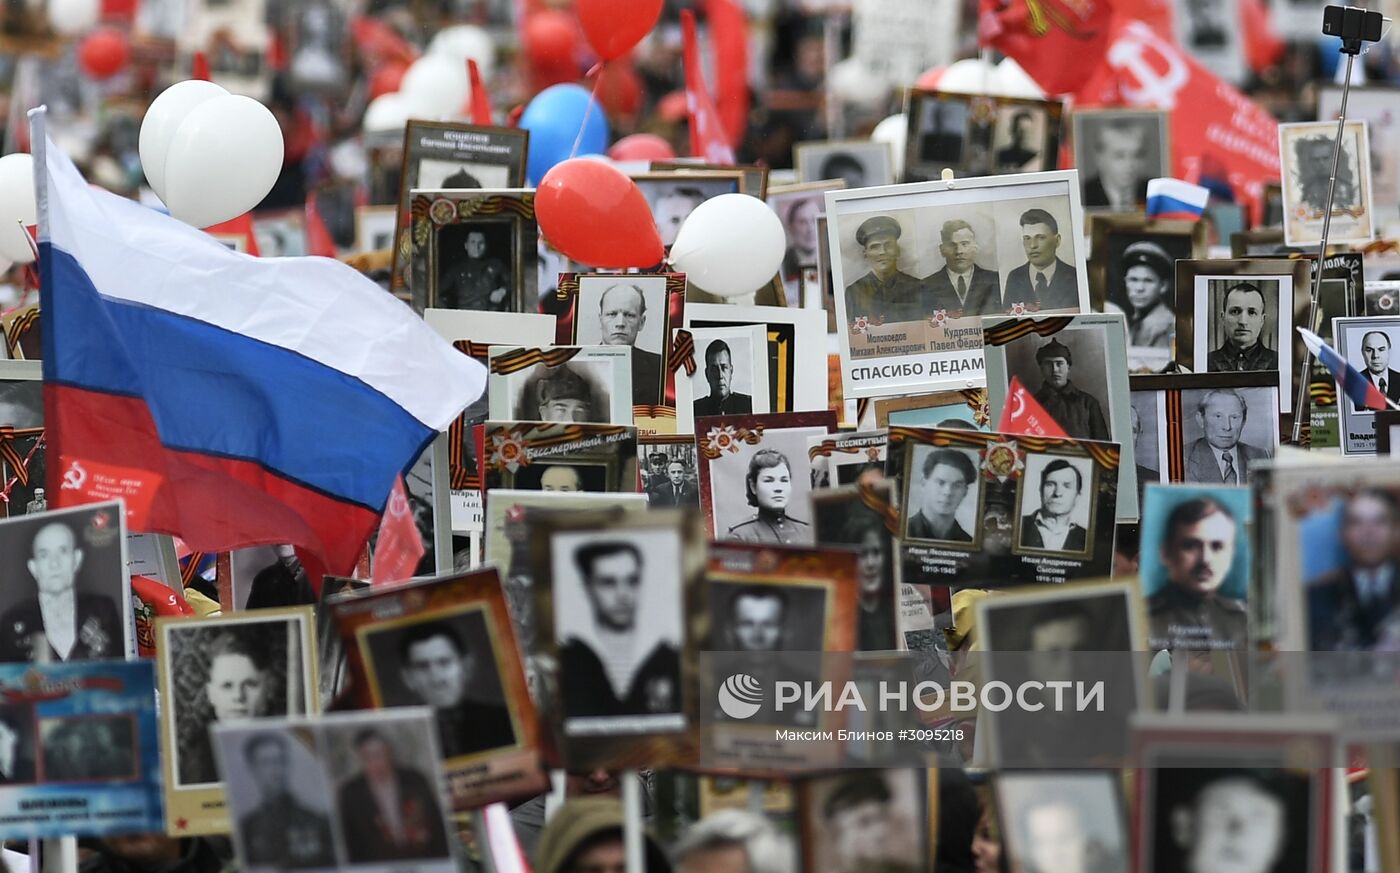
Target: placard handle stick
{"x": 632, "y": 821}
{"x": 1316, "y": 292}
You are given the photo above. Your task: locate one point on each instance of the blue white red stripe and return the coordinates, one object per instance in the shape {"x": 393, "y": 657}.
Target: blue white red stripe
{"x": 248, "y": 400}
{"x": 1362, "y": 391}
{"x": 1175, "y": 199}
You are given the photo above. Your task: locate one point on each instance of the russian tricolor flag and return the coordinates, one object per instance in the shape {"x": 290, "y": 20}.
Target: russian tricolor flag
{"x": 1362, "y": 391}
{"x": 229, "y": 400}
{"x": 1175, "y": 199}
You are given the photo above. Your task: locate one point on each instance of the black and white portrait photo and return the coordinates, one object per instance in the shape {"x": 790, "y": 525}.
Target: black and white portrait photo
{"x": 865, "y": 820}
{"x": 798, "y": 207}
{"x": 632, "y": 312}
{"x": 766, "y": 617}
{"x": 672, "y": 197}
{"x": 18, "y": 735}
{"x": 476, "y": 266}
{"x": 938, "y": 134}
{"x": 226, "y": 670}
{"x": 592, "y": 386}
{"x": 279, "y": 799}
{"x": 374, "y": 228}
{"x": 563, "y": 476}
{"x": 1065, "y": 821}
{"x": 1231, "y": 819}
{"x": 943, "y": 496}
{"x": 858, "y": 163}
{"x": 388, "y": 794}
{"x": 69, "y": 598}
{"x": 1305, "y": 151}
{"x": 1018, "y": 141}
{"x": 618, "y": 623}
{"x": 88, "y": 748}
{"x": 446, "y": 660}
{"x": 759, "y": 493}
{"x": 435, "y": 174}
{"x": 1056, "y": 500}
{"x": 1038, "y": 262}
{"x": 1243, "y": 323}
{"x": 1140, "y": 281}
{"x": 1225, "y": 430}
{"x": 1149, "y": 437}
{"x": 732, "y": 376}
{"x": 1212, "y": 31}
{"x": 1068, "y": 376}
{"x": 844, "y": 519}
{"x": 1116, "y": 152}
{"x": 1368, "y": 345}
{"x": 670, "y": 478}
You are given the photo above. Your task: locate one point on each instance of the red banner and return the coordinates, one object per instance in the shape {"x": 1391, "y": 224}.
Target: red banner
{"x": 399, "y": 547}
{"x": 708, "y": 138}
{"x": 1059, "y": 43}
{"x": 1023, "y": 414}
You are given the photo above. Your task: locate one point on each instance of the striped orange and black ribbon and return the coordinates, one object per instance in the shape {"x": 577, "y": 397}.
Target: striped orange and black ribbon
{"x": 1176, "y": 455}
{"x": 1009, "y": 331}
{"x": 473, "y": 349}
{"x": 22, "y": 324}
{"x": 9, "y": 453}
{"x": 880, "y": 506}
{"x": 521, "y": 359}
{"x": 1323, "y": 393}
{"x": 682, "y": 353}
{"x": 567, "y": 433}
{"x": 190, "y": 568}
{"x": 642, "y": 410}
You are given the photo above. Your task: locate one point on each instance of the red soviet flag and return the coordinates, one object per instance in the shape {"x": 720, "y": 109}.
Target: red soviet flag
{"x": 1059, "y": 43}
{"x": 708, "y": 138}
{"x": 399, "y": 548}
{"x": 1024, "y": 414}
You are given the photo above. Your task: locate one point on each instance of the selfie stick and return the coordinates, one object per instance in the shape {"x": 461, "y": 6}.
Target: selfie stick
{"x": 1354, "y": 27}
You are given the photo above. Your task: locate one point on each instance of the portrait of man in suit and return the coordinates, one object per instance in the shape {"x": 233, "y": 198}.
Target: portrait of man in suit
{"x": 1052, "y": 526}
{"x": 1355, "y": 606}
{"x": 1044, "y": 281}
{"x": 1074, "y": 409}
{"x": 675, "y": 489}
{"x": 388, "y": 811}
{"x": 719, "y": 373}
{"x": 944, "y": 481}
{"x": 1120, "y": 152}
{"x": 1221, "y": 456}
{"x": 59, "y": 623}
{"x": 622, "y": 313}
{"x": 608, "y": 675}
{"x": 1014, "y": 156}
{"x": 961, "y": 286}
{"x": 280, "y": 831}
{"x": 884, "y": 293}
{"x": 1242, "y": 319}
{"x": 441, "y": 670}
{"x": 1375, "y": 353}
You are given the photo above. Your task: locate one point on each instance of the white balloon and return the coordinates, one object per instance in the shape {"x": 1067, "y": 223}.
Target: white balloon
{"x": 730, "y": 245}
{"x": 223, "y": 160}
{"x": 851, "y": 81}
{"x": 163, "y": 118}
{"x": 74, "y": 17}
{"x": 466, "y": 41}
{"x": 1012, "y": 81}
{"x": 435, "y": 87}
{"x": 386, "y": 112}
{"x": 968, "y": 76}
{"x": 16, "y": 207}
{"x": 893, "y": 130}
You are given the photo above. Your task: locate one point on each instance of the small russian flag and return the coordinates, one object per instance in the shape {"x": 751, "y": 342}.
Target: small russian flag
{"x": 1362, "y": 391}
{"x": 1175, "y": 199}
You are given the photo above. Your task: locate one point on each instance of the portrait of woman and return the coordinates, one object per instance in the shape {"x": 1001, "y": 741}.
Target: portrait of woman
{"x": 768, "y": 485}
{"x": 866, "y": 531}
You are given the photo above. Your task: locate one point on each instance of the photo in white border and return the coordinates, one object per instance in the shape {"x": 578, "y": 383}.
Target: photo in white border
{"x": 1037, "y": 494}
{"x": 1217, "y": 314}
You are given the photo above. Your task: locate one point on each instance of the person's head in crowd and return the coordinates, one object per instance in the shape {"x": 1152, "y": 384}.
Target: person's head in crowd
{"x": 622, "y": 313}
{"x": 1369, "y": 528}
{"x": 733, "y": 841}
{"x": 947, "y": 476}
{"x": 1040, "y": 237}
{"x": 1198, "y": 545}
{"x": 768, "y": 482}
{"x": 758, "y": 618}
{"x": 1221, "y": 414}
{"x": 1242, "y": 316}
{"x": 238, "y": 685}
{"x": 858, "y": 814}
{"x": 435, "y": 663}
{"x": 840, "y": 165}
{"x": 612, "y": 579}
{"x": 560, "y": 477}
{"x": 1235, "y": 822}
{"x": 55, "y": 558}
{"x": 585, "y": 836}
{"x": 673, "y": 208}
{"x": 719, "y": 369}
{"x": 1120, "y": 153}
{"x": 564, "y": 395}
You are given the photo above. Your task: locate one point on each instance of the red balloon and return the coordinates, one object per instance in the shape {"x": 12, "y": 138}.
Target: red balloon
{"x": 551, "y": 40}
{"x": 103, "y": 53}
{"x": 386, "y": 79}
{"x": 619, "y": 89}
{"x": 614, "y": 27}
{"x": 591, "y": 212}
{"x": 641, "y": 147}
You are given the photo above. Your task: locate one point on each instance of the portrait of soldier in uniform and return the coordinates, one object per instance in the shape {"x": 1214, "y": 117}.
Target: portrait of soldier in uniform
{"x": 1197, "y": 550}
{"x": 475, "y": 278}
{"x": 884, "y": 293}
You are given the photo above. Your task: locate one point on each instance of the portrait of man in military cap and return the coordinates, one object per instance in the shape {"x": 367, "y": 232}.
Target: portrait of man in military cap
{"x": 1195, "y": 591}
{"x": 1074, "y": 409}
{"x": 885, "y": 293}
{"x": 562, "y": 393}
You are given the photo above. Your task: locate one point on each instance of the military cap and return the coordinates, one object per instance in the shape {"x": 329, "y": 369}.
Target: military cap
{"x": 1054, "y": 349}
{"x": 563, "y": 384}
{"x": 880, "y": 224}
{"x": 1150, "y": 255}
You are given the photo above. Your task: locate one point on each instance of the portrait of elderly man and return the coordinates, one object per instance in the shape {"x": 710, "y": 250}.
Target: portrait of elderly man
{"x": 1051, "y": 527}
{"x": 1075, "y": 410}
{"x": 1221, "y": 456}
{"x": 1354, "y": 606}
{"x": 1120, "y": 152}
{"x": 1197, "y": 550}
{"x": 1045, "y": 281}
{"x": 1375, "y": 355}
{"x": 622, "y": 313}
{"x": 59, "y": 622}
{"x": 944, "y": 480}
{"x": 1242, "y": 320}
{"x": 960, "y": 285}
{"x": 884, "y": 293}
{"x": 1148, "y": 279}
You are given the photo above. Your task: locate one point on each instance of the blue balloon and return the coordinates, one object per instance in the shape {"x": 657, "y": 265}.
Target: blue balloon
{"x": 554, "y": 119}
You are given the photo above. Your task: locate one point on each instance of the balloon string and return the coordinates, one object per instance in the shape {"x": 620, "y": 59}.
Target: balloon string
{"x": 588, "y": 111}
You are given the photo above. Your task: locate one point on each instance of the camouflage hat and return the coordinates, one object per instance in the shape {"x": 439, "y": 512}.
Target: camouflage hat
{"x": 879, "y": 225}
{"x": 1054, "y": 349}
{"x": 1149, "y": 255}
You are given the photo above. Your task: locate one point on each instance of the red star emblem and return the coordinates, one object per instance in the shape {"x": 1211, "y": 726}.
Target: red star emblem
{"x": 181, "y": 824}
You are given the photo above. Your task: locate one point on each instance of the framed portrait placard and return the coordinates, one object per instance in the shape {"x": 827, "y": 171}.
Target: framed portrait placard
{"x": 1088, "y": 804}
{"x": 1366, "y": 344}
{"x": 639, "y": 311}
{"x": 1305, "y": 152}
{"x": 861, "y": 518}
{"x": 979, "y": 135}
{"x": 798, "y": 207}
{"x": 1374, "y": 105}
{"x": 374, "y": 228}
{"x": 672, "y": 195}
{"x": 731, "y": 374}
{"x": 797, "y": 375}
{"x": 586, "y": 384}
{"x": 1212, "y": 33}
{"x": 753, "y": 177}
{"x": 475, "y": 250}
{"x": 396, "y": 635}
{"x": 22, "y": 438}
{"x": 1074, "y": 365}
{"x": 860, "y": 163}
{"x": 537, "y": 456}
{"x": 1001, "y": 510}
{"x": 847, "y": 458}
{"x": 838, "y": 813}
{"x": 1117, "y": 151}
{"x": 916, "y": 266}
{"x": 614, "y": 715}
{"x": 246, "y": 665}
{"x": 670, "y": 470}
{"x": 1207, "y": 428}
{"x": 441, "y": 155}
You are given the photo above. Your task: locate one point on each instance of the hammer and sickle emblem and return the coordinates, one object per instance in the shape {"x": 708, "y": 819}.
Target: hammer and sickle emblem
{"x": 74, "y": 477}
{"x": 1155, "y": 87}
